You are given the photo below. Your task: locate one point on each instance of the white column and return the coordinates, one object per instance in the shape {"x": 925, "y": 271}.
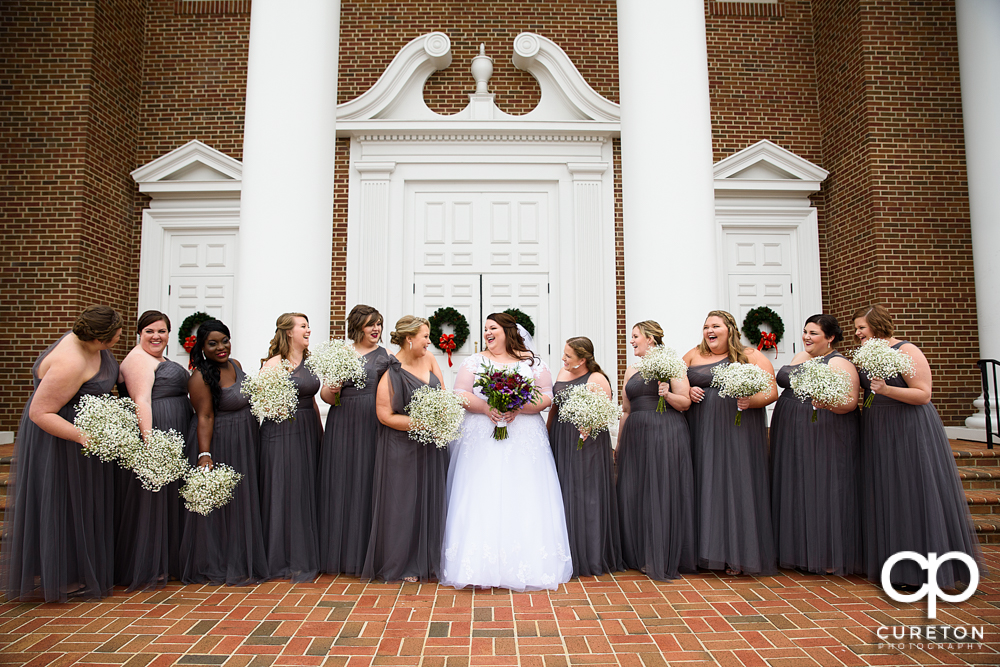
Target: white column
{"x": 289, "y": 142}
{"x": 979, "y": 65}
{"x": 373, "y": 234}
{"x": 591, "y": 275}
{"x": 670, "y": 242}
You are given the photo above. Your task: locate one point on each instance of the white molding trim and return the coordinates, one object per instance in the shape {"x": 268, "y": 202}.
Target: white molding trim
{"x": 192, "y": 171}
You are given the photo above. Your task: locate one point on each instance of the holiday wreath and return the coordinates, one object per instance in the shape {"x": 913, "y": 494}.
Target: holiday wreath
{"x": 448, "y": 343}
{"x": 191, "y": 322}
{"x": 758, "y": 338}
{"x": 522, "y": 319}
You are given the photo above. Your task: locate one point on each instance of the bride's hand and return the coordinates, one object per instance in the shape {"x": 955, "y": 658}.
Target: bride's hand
{"x": 509, "y": 416}
{"x": 494, "y": 415}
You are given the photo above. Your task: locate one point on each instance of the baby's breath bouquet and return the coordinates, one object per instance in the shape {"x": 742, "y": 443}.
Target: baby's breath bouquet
{"x": 272, "y": 393}
{"x": 662, "y": 364}
{"x": 159, "y": 460}
{"x": 335, "y": 362}
{"x": 436, "y": 416}
{"x": 737, "y": 380}
{"x": 110, "y": 424}
{"x": 879, "y": 360}
{"x": 205, "y": 490}
{"x": 586, "y": 407}
{"x": 821, "y": 382}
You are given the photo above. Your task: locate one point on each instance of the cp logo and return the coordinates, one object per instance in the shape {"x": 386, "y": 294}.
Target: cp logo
{"x": 930, "y": 589}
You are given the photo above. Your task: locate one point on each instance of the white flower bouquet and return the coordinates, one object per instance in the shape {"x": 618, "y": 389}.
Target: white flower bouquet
{"x": 335, "y": 362}
{"x": 272, "y": 393}
{"x": 586, "y": 407}
{"x": 436, "y": 416}
{"x": 737, "y": 380}
{"x": 821, "y": 382}
{"x": 159, "y": 460}
{"x": 110, "y": 424}
{"x": 662, "y": 364}
{"x": 879, "y": 360}
{"x": 205, "y": 490}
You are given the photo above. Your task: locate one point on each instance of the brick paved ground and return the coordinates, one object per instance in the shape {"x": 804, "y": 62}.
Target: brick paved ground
{"x": 626, "y": 619}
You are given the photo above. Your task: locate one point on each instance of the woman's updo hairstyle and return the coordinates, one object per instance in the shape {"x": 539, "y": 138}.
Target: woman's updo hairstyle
{"x": 515, "y": 343}
{"x": 879, "y": 320}
{"x": 360, "y": 317}
{"x": 98, "y": 323}
{"x": 280, "y": 344}
{"x": 150, "y": 317}
{"x": 829, "y": 325}
{"x": 407, "y": 326}
{"x": 583, "y": 347}
{"x": 650, "y": 329}
{"x": 210, "y": 371}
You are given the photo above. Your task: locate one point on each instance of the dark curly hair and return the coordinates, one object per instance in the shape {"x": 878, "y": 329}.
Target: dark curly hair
{"x": 514, "y": 343}
{"x": 209, "y": 372}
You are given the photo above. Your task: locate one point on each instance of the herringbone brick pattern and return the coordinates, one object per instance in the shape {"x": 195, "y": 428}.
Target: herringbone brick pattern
{"x": 789, "y": 620}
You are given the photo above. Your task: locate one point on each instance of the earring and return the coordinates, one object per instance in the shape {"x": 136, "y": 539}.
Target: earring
{"x": 575, "y": 367}
{"x": 411, "y": 344}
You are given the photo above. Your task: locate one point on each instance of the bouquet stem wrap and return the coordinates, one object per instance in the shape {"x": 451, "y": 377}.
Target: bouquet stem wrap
{"x": 506, "y": 390}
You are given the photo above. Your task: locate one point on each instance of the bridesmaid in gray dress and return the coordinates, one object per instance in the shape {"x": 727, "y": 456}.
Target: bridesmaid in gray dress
{"x": 656, "y": 498}
{"x": 148, "y": 538}
{"x": 815, "y": 466}
{"x": 288, "y": 454}
{"x": 912, "y": 493}
{"x": 58, "y": 539}
{"x": 409, "y": 502}
{"x": 347, "y": 456}
{"x": 587, "y": 475}
{"x": 730, "y": 462}
{"x": 227, "y": 546}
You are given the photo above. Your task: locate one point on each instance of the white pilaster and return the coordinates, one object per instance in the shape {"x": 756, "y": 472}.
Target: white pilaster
{"x": 979, "y": 62}
{"x": 669, "y": 222}
{"x": 288, "y": 167}
{"x": 591, "y": 277}
{"x": 373, "y": 232}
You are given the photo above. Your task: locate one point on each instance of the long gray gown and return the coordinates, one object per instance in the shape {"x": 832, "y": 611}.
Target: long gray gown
{"x": 912, "y": 494}
{"x": 148, "y": 537}
{"x": 58, "y": 525}
{"x": 409, "y": 502}
{"x": 732, "y": 493}
{"x": 587, "y": 481}
{"x": 815, "y": 484}
{"x": 656, "y": 498}
{"x": 346, "y": 472}
{"x": 287, "y": 473}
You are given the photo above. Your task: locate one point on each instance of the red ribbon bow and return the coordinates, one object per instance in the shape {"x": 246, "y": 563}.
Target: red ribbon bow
{"x": 447, "y": 343}
{"x": 189, "y": 344}
{"x": 768, "y": 340}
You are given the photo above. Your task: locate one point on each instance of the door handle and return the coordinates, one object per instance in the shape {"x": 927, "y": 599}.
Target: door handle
{"x": 475, "y": 346}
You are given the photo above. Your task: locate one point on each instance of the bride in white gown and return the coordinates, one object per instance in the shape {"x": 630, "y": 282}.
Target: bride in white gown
{"x": 506, "y": 525}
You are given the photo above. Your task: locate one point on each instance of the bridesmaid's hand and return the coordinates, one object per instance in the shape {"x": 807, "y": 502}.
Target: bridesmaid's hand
{"x": 878, "y": 386}
{"x": 697, "y": 394}
{"x": 205, "y": 462}
{"x": 664, "y": 389}
{"x": 821, "y": 406}
{"x": 584, "y": 434}
{"x": 743, "y": 403}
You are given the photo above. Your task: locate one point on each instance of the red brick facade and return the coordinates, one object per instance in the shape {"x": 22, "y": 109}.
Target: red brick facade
{"x": 869, "y": 91}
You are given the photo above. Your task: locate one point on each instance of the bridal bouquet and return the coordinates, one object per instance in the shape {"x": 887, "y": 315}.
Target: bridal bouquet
{"x": 740, "y": 381}
{"x": 587, "y": 408}
{"x": 662, "y": 364}
{"x": 335, "y": 362}
{"x": 879, "y": 360}
{"x": 159, "y": 460}
{"x": 110, "y": 424}
{"x": 436, "y": 416}
{"x": 272, "y": 393}
{"x": 205, "y": 490}
{"x": 820, "y": 382}
{"x": 505, "y": 391}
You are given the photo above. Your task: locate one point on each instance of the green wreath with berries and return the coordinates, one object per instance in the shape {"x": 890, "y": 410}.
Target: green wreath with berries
{"x": 758, "y": 316}
{"x": 190, "y": 323}
{"x": 448, "y": 315}
{"x": 522, "y": 319}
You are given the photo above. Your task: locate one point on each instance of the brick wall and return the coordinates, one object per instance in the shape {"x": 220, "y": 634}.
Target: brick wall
{"x": 68, "y": 121}
{"x": 897, "y": 199}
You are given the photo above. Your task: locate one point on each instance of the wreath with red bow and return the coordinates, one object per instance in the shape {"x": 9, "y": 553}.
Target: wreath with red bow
{"x": 184, "y": 334}
{"x": 762, "y": 339}
{"x": 448, "y": 343}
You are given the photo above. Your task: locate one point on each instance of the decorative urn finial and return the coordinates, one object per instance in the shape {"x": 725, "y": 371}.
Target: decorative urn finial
{"x": 482, "y": 69}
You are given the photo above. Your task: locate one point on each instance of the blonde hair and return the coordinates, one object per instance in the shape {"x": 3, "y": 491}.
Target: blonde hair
{"x": 878, "y": 318}
{"x": 650, "y": 329}
{"x": 280, "y": 344}
{"x": 407, "y": 326}
{"x": 736, "y": 353}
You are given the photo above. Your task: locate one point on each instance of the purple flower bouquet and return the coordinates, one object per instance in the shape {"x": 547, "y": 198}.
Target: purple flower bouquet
{"x": 505, "y": 391}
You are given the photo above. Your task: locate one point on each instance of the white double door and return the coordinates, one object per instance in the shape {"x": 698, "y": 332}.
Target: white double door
{"x": 482, "y": 252}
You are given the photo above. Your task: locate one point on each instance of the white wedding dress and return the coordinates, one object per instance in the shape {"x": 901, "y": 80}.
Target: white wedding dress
{"x": 506, "y": 525}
